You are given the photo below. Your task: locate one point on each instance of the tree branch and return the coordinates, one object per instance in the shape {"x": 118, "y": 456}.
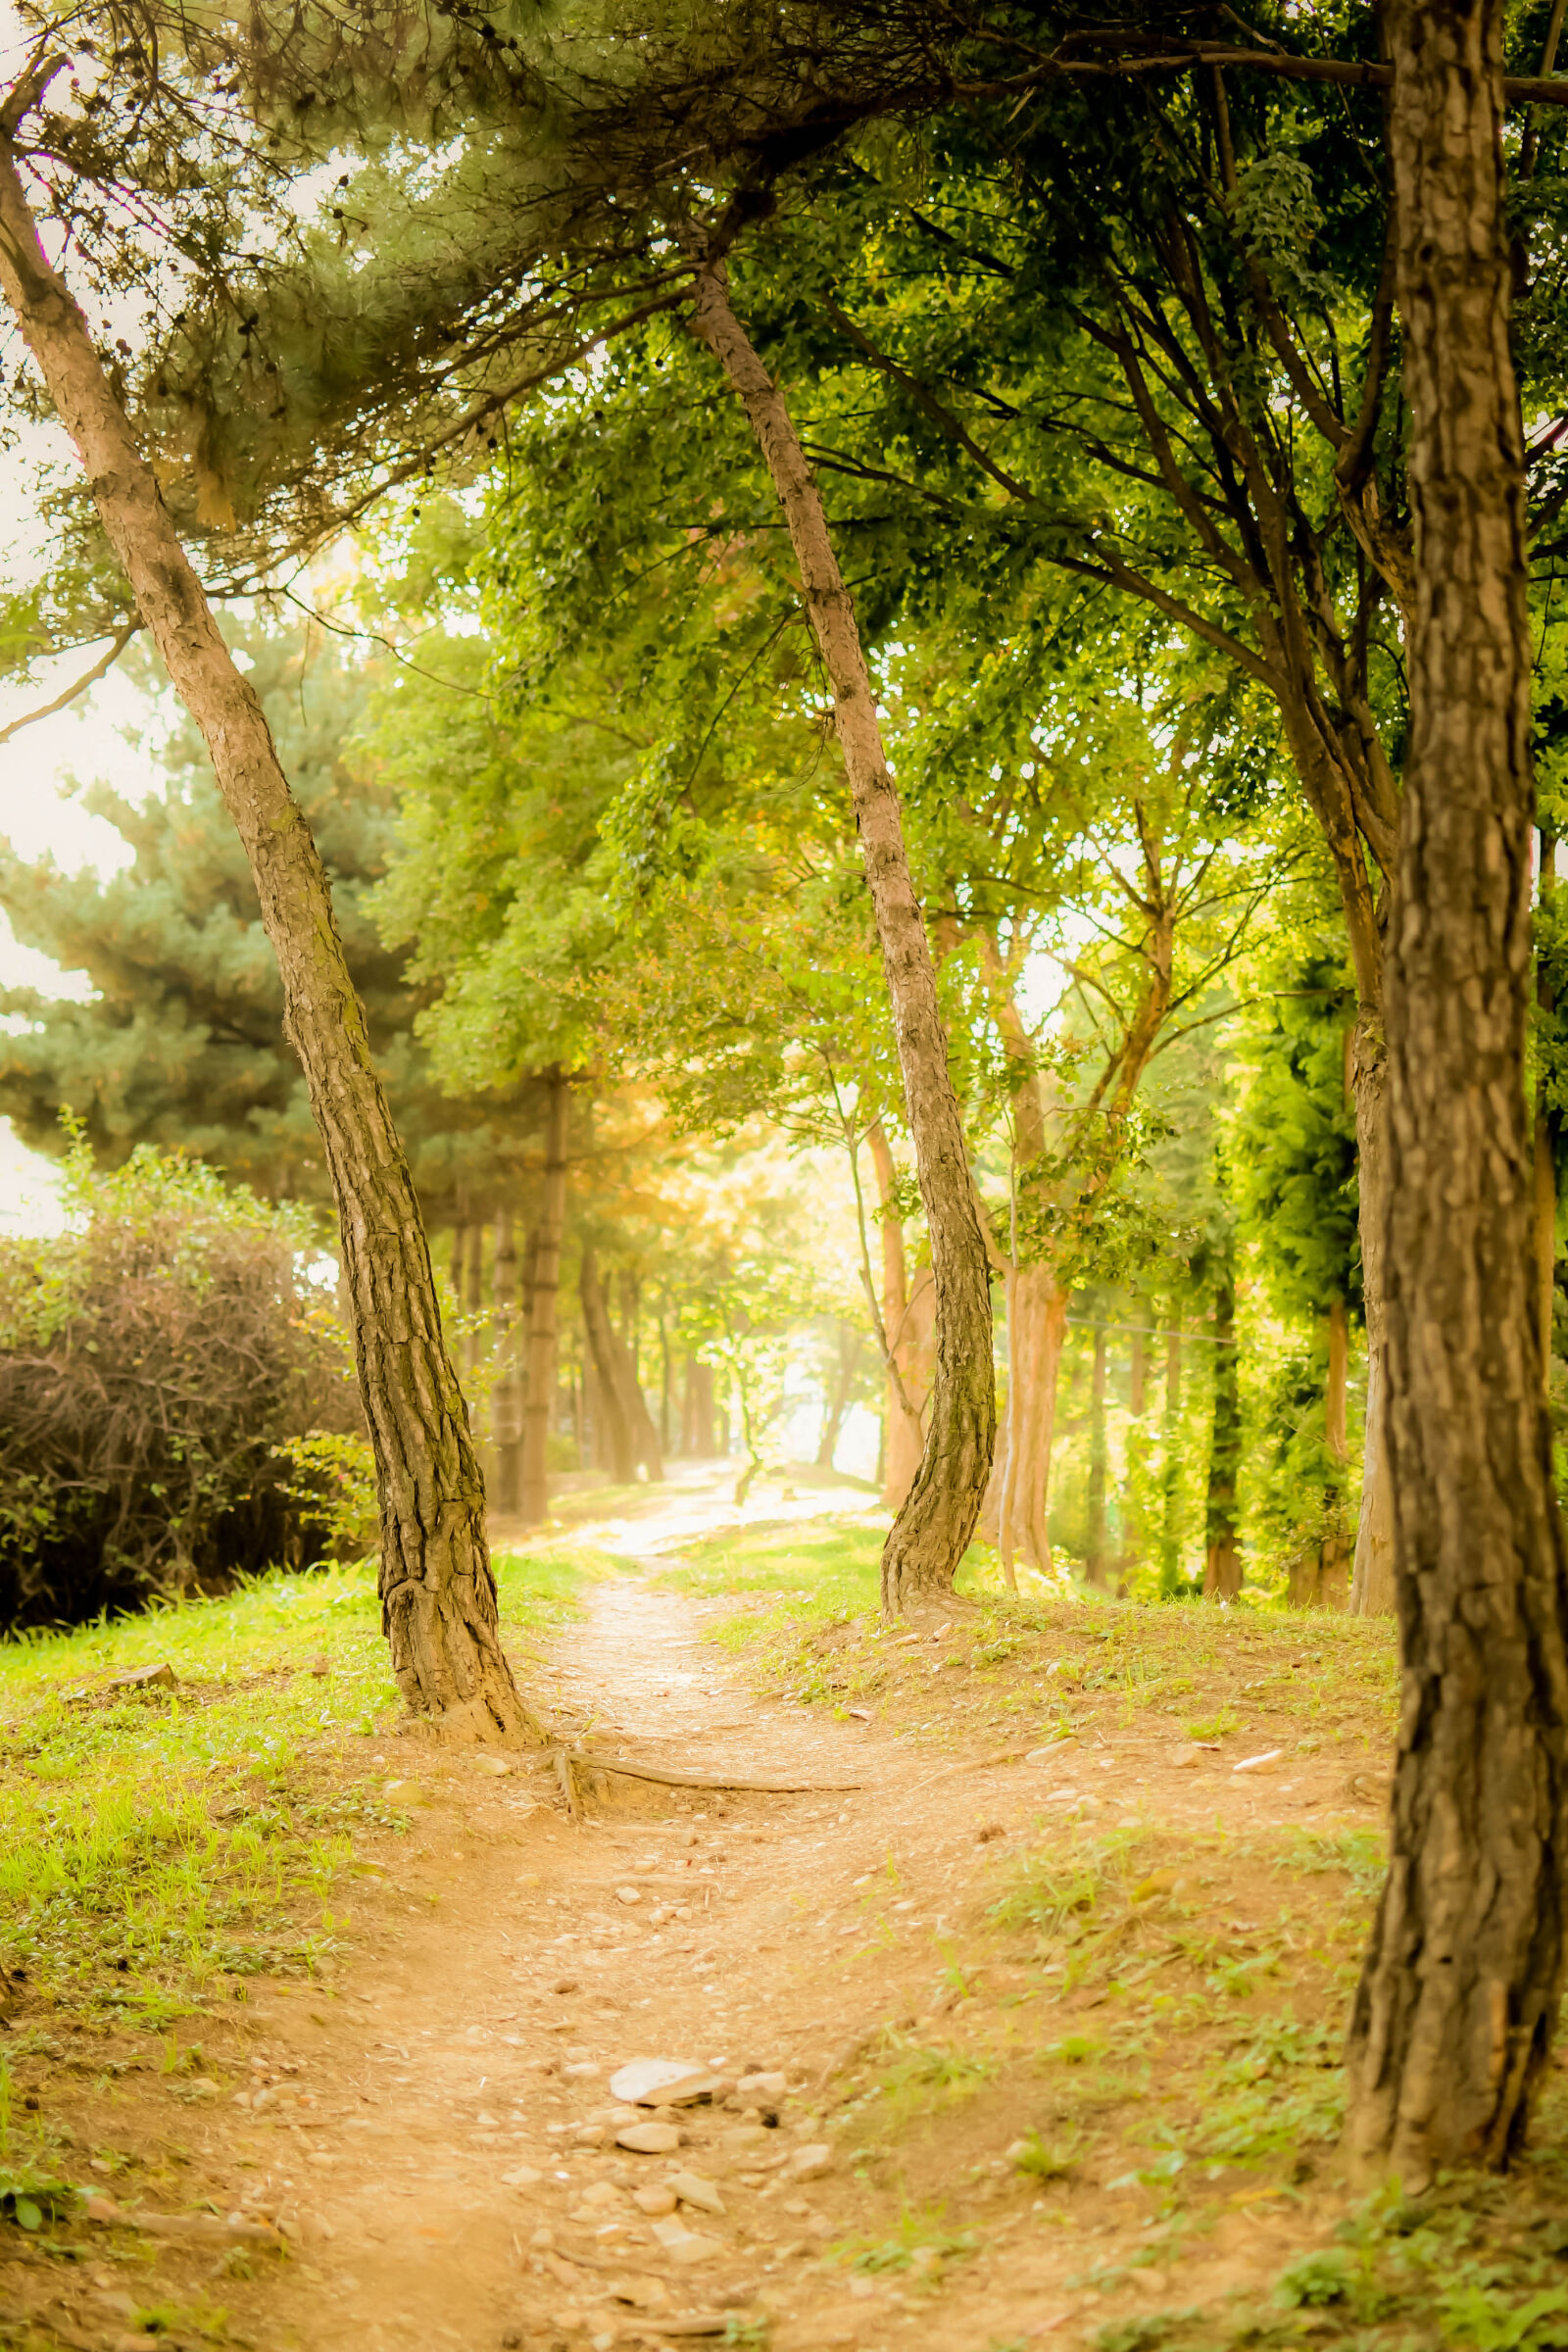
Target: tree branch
{"x": 116, "y": 645}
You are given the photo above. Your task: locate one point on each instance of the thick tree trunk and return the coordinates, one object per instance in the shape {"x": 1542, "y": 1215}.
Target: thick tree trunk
{"x": 505, "y": 1412}
{"x": 438, "y": 1594}
{"x": 544, "y": 1309}
{"x": 1459, "y": 1991}
{"x": 1222, "y": 1559}
{"x": 932, "y": 1530}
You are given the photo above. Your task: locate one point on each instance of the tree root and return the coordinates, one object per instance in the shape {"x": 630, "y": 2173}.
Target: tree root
{"x": 567, "y": 1761}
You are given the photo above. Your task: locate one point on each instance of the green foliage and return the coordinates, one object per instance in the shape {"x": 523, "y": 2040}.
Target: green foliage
{"x": 156, "y": 1361}
{"x": 333, "y": 1478}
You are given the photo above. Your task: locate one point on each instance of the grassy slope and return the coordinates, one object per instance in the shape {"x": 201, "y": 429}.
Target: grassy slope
{"x": 1155, "y": 2012}
{"x": 150, "y": 1842}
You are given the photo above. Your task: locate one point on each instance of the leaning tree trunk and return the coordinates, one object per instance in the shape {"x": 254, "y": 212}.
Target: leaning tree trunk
{"x": 544, "y": 1309}
{"x": 928, "y": 1537}
{"x": 1460, "y": 1991}
{"x": 438, "y": 1596}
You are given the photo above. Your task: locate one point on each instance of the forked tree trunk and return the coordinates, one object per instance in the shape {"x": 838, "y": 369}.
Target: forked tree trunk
{"x": 1459, "y": 1991}
{"x": 1222, "y": 1558}
{"x": 544, "y": 1309}
{"x": 932, "y": 1530}
{"x": 438, "y": 1596}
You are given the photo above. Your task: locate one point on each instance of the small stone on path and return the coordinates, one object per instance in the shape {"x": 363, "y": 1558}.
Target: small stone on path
{"x": 692, "y": 2189}
{"x": 648, "y": 2140}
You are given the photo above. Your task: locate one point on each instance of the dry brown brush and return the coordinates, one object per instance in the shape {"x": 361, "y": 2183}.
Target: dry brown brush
{"x": 157, "y": 1361}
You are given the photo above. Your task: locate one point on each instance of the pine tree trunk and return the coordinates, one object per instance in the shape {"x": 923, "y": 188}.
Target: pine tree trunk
{"x": 932, "y": 1530}
{"x": 544, "y": 1309}
{"x": 1222, "y": 1562}
{"x": 438, "y": 1594}
{"x": 1459, "y": 1991}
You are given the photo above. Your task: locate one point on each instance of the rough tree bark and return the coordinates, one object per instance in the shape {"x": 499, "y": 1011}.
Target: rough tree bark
{"x": 929, "y": 1536}
{"x": 1460, "y": 1991}
{"x": 438, "y": 1596}
{"x": 544, "y": 1309}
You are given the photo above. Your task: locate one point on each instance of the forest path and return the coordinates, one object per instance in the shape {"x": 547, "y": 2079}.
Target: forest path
{"x": 437, "y": 2133}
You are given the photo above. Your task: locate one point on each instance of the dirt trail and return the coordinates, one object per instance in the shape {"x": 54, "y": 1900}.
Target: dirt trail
{"x": 430, "y": 2133}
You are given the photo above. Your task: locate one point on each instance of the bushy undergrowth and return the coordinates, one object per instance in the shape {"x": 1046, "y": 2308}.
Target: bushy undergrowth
{"x": 158, "y": 1362}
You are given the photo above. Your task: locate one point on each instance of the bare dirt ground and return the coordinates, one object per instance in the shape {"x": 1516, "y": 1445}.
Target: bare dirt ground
{"x": 959, "y": 2140}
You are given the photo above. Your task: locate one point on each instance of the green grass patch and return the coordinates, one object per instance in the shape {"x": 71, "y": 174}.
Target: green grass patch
{"x": 790, "y": 1580}
{"x": 152, "y": 1841}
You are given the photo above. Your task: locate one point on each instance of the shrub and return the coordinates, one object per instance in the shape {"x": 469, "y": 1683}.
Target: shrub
{"x": 157, "y": 1361}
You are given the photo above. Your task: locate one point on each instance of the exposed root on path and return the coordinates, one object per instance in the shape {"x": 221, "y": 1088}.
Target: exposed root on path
{"x": 588, "y": 1760}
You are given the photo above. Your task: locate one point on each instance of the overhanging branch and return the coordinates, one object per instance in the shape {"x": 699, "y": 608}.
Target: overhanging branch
{"x": 116, "y": 645}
